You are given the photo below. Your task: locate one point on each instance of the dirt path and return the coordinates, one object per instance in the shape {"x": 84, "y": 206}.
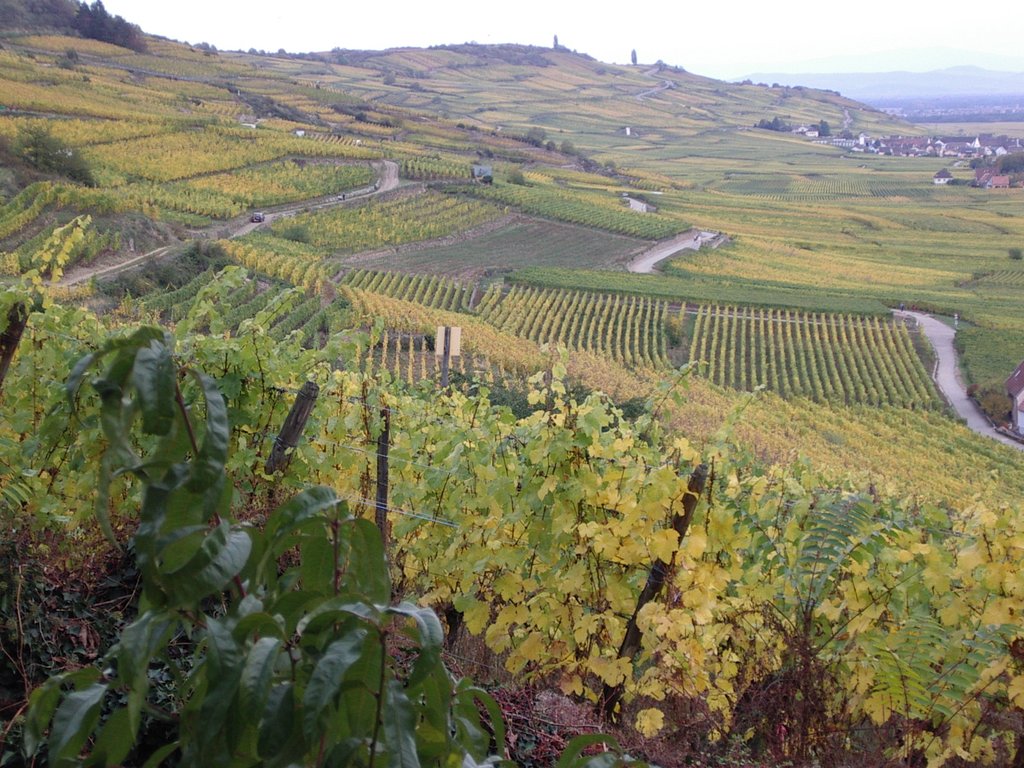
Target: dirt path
{"x": 75, "y": 276}
{"x": 947, "y": 377}
{"x": 387, "y": 181}
{"x": 692, "y": 240}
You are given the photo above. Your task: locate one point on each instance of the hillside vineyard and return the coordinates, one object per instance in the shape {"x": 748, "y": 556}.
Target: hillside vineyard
{"x": 721, "y": 509}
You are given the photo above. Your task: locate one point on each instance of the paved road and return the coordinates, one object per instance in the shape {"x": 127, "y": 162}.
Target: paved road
{"x": 947, "y": 377}
{"x": 691, "y": 239}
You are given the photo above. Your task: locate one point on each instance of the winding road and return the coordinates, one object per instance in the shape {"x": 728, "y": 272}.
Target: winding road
{"x": 947, "y": 377}
{"x": 386, "y": 181}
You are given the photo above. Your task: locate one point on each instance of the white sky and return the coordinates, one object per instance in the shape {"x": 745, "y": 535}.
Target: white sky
{"x": 717, "y": 38}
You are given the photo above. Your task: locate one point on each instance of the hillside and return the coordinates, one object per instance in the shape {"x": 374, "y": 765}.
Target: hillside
{"x": 317, "y": 217}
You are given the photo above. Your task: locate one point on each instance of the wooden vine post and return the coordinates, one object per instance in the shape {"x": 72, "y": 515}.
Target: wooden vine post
{"x": 660, "y": 570}
{"x": 380, "y": 514}
{"x": 448, "y": 344}
{"x": 17, "y": 319}
{"x": 292, "y": 428}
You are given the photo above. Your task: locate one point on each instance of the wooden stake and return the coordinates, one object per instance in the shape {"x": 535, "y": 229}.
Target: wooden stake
{"x": 17, "y": 319}
{"x": 292, "y": 428}
{"x": 381, "y": 505}
{"x": 446, "y": 356}
{"x": 612, "y": 695}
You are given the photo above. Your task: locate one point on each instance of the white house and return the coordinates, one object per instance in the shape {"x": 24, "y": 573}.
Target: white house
{"x": 943, "y": 177}
{"x": 1015, "y": 390}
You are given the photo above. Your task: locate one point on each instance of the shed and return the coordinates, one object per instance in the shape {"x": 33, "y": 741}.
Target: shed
{"x": 943, "y": 177}
{"x": 1015, "y": 390}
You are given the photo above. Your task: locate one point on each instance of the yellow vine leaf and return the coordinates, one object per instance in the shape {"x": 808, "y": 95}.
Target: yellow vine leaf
{"x": 650, "y": 721}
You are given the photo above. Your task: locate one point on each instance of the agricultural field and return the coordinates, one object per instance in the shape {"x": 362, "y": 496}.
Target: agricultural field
{"x": 531, "y": 500}
{"x": 628, "y": 329}
{"x": 837, "y": 358}
{"x": 517, "y": 243}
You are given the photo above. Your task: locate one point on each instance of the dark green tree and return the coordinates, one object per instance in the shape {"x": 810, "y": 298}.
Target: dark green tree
{"x": 632, "y": 57}
{"x": 824, "y": 129}
{"x": 39, "y": 148}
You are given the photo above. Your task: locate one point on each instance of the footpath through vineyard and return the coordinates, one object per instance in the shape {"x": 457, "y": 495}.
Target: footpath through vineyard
{"x": 947, "y": 376}
{"x": 692, "y": 239}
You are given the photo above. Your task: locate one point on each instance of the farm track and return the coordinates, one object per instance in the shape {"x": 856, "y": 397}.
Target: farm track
{"x": 947, "y": 377}
{"x": 690, "y": 240}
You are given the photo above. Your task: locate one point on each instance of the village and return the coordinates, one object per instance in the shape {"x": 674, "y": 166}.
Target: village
{"x": 980, "y": 152}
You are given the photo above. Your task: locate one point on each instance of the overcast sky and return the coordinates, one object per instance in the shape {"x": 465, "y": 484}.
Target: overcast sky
{"x": 718, "y": 38}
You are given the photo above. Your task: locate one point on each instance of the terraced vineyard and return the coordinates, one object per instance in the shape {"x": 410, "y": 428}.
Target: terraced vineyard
{"x": 629, "y": 329}
{"x": 837, "y": 358}
{"x": 428, "y": 290}
{"x": 405, "y": 219}
{"x": 410, "y": 358}
{"x": 600, "y": 212}
{"x": 257, "y": 298}
{"x": 1010, "y": 278}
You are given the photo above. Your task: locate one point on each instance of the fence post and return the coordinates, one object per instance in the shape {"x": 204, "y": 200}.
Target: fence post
{"x": 292, "y": 428}
{"x": 380, "y": 514}
{"x": 17, "y": 318}
{"x": 612, "y": 695}
{"x": 446, "y": 355}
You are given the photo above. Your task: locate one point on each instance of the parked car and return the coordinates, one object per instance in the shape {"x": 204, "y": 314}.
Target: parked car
{"x": 258, "y": 217}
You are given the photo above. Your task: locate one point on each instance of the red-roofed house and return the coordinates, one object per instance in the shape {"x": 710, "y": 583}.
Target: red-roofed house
{"x": 1015, "y": 389}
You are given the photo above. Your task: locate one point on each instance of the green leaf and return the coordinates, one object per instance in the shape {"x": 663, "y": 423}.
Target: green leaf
{"x": 42, "y": 704}
{"x": 154, "y": 378}
{"x": 221, "y": 557}
{"x": 469, "y": 732}
{"x": 430, "y": 637}
{"x": 305, "y": 506}
{"x": 317, "y": 563}
{"x": 573, "y": 757}
{"x": 399, "y": 721}
{"x": 368, "y": 571}
{"x": 224, "y": 664}
{"x": 325, "y": 682}
{"x": 116, "y": 738}
{"x": 208, "y": 466}
{"x": 276, "y": 725}
{"x": 160, "y": 755}
{"x": 257, "y": 677}
{"x": 135, "y": 650}
{"x": 74, "y": 722}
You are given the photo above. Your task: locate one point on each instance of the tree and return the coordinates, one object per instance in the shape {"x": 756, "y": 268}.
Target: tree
{"x": 632, "y": 57}
{"x": 556, "y": 43}
{"x": 824, "y": 129}
{"x": 38, "y": 147}
{"x": 95, "y": 22}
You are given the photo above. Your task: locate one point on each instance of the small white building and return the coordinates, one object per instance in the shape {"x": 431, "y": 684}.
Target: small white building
{"x": 942, "y": 177}
{"x": 1015, "y": 391}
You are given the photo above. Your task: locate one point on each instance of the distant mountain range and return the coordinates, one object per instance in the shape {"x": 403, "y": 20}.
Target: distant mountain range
{"x": 953, "y": 85}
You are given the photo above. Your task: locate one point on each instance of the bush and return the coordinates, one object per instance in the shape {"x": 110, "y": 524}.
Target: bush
{"x": 297, "y": 233}
{"x": 1016, "y": 254}
{"x": 45, "y": 152}
{"x": 515, "y": 176}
